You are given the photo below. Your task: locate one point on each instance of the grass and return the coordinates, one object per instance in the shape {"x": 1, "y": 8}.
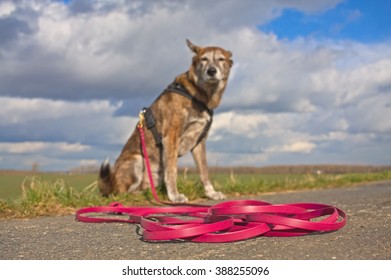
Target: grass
{"x": 11, "y": 182}
{"x": 51, "y": 195}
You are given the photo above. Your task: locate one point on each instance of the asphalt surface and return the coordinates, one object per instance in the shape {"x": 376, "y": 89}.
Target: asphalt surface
{"x": 365, "y": 236}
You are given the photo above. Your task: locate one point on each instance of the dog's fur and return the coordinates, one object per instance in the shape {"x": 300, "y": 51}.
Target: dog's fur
{"x": 181, "y": 124}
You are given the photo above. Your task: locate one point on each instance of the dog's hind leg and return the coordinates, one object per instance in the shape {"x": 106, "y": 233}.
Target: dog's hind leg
{"x": 157, "y": 176}
{"x": 199, "y": 155}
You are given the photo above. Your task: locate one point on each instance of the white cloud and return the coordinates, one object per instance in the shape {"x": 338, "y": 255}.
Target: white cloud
{"x": 234, "y": 123}
{"x": 6, "y": 8}
{"x": 60, "y": 131}
{"x": 42, "y": 118}
{"x": 117, "y": 46}
{"x": 35, "y": 147}
{"x": 21, "y": 110}
{"x": 295, "y": 147}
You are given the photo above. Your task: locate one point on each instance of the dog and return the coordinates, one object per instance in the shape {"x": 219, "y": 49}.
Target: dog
{"x": 179, "y": 121}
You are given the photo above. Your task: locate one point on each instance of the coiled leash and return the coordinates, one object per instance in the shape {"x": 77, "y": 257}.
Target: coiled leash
{"x": 224, "y": 222}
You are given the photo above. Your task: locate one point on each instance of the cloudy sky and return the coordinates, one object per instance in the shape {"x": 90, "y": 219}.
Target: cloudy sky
{"x": 311, "y": 82}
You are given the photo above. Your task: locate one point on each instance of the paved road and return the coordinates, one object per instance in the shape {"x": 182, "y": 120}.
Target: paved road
{"x": 366, "y": 235}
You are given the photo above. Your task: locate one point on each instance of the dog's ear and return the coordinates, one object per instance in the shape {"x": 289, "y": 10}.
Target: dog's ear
{"x": 228, "y": 54}
{"x": 192, "y": 47}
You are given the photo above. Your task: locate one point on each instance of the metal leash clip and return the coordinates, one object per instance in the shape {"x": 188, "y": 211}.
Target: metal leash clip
{"x": 141, "y": 119}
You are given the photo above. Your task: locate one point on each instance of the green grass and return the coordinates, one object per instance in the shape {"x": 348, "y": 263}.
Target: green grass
{"x": 11, "y": 183}
{"x": 51, "y": 194}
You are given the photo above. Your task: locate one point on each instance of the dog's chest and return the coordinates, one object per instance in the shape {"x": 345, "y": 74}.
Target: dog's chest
{"x": 194, "y": 130}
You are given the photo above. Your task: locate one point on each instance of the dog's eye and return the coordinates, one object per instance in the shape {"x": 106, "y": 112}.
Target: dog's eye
{"x": 204, "y": 59}
{"x": 221, "y": 59}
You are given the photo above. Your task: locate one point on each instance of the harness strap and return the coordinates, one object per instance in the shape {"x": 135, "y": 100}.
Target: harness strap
{"x": 179, "y": 89}
{"x": 150, "y": 123}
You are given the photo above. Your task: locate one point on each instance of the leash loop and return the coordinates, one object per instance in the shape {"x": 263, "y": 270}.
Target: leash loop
{"x": 223, "y": 222}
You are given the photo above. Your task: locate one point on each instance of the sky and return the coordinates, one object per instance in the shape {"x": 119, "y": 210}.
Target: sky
{"x": 311, "y": 81}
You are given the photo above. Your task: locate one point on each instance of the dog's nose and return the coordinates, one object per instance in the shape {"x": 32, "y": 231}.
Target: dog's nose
{"x": 211, "y": 71}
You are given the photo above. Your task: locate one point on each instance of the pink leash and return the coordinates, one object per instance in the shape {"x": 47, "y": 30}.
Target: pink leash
{"x": 224, "y": 222}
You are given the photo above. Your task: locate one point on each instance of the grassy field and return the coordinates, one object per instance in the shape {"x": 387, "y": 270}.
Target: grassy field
{"x": 30, "y": 195}
{"x": 11, "y": 183}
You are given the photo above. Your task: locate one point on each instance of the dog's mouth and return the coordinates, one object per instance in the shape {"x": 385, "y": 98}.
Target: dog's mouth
{"x": 212, "y": 79}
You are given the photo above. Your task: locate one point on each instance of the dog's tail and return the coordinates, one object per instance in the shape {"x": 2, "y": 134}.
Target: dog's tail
{"x": 105, "y": 179}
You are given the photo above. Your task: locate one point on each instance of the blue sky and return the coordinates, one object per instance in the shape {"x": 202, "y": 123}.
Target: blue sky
{"x": 359, "y": 20}
{"x": 311, "y": 82}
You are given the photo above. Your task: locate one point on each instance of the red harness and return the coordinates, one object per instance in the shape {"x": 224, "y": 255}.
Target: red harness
{"x": 224, "y": 222}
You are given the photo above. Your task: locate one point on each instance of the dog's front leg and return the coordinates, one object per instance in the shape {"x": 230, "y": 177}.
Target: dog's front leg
{"x": 199, "y": 155}
{"x": 170, "y": 159}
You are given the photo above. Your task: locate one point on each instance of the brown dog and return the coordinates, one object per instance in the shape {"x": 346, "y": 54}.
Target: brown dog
{"x": 178, "y": 122}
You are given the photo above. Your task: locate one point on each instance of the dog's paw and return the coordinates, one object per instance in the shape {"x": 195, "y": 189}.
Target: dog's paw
{"x": 215, "y": 195}
{"x": 179, "y": 198}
